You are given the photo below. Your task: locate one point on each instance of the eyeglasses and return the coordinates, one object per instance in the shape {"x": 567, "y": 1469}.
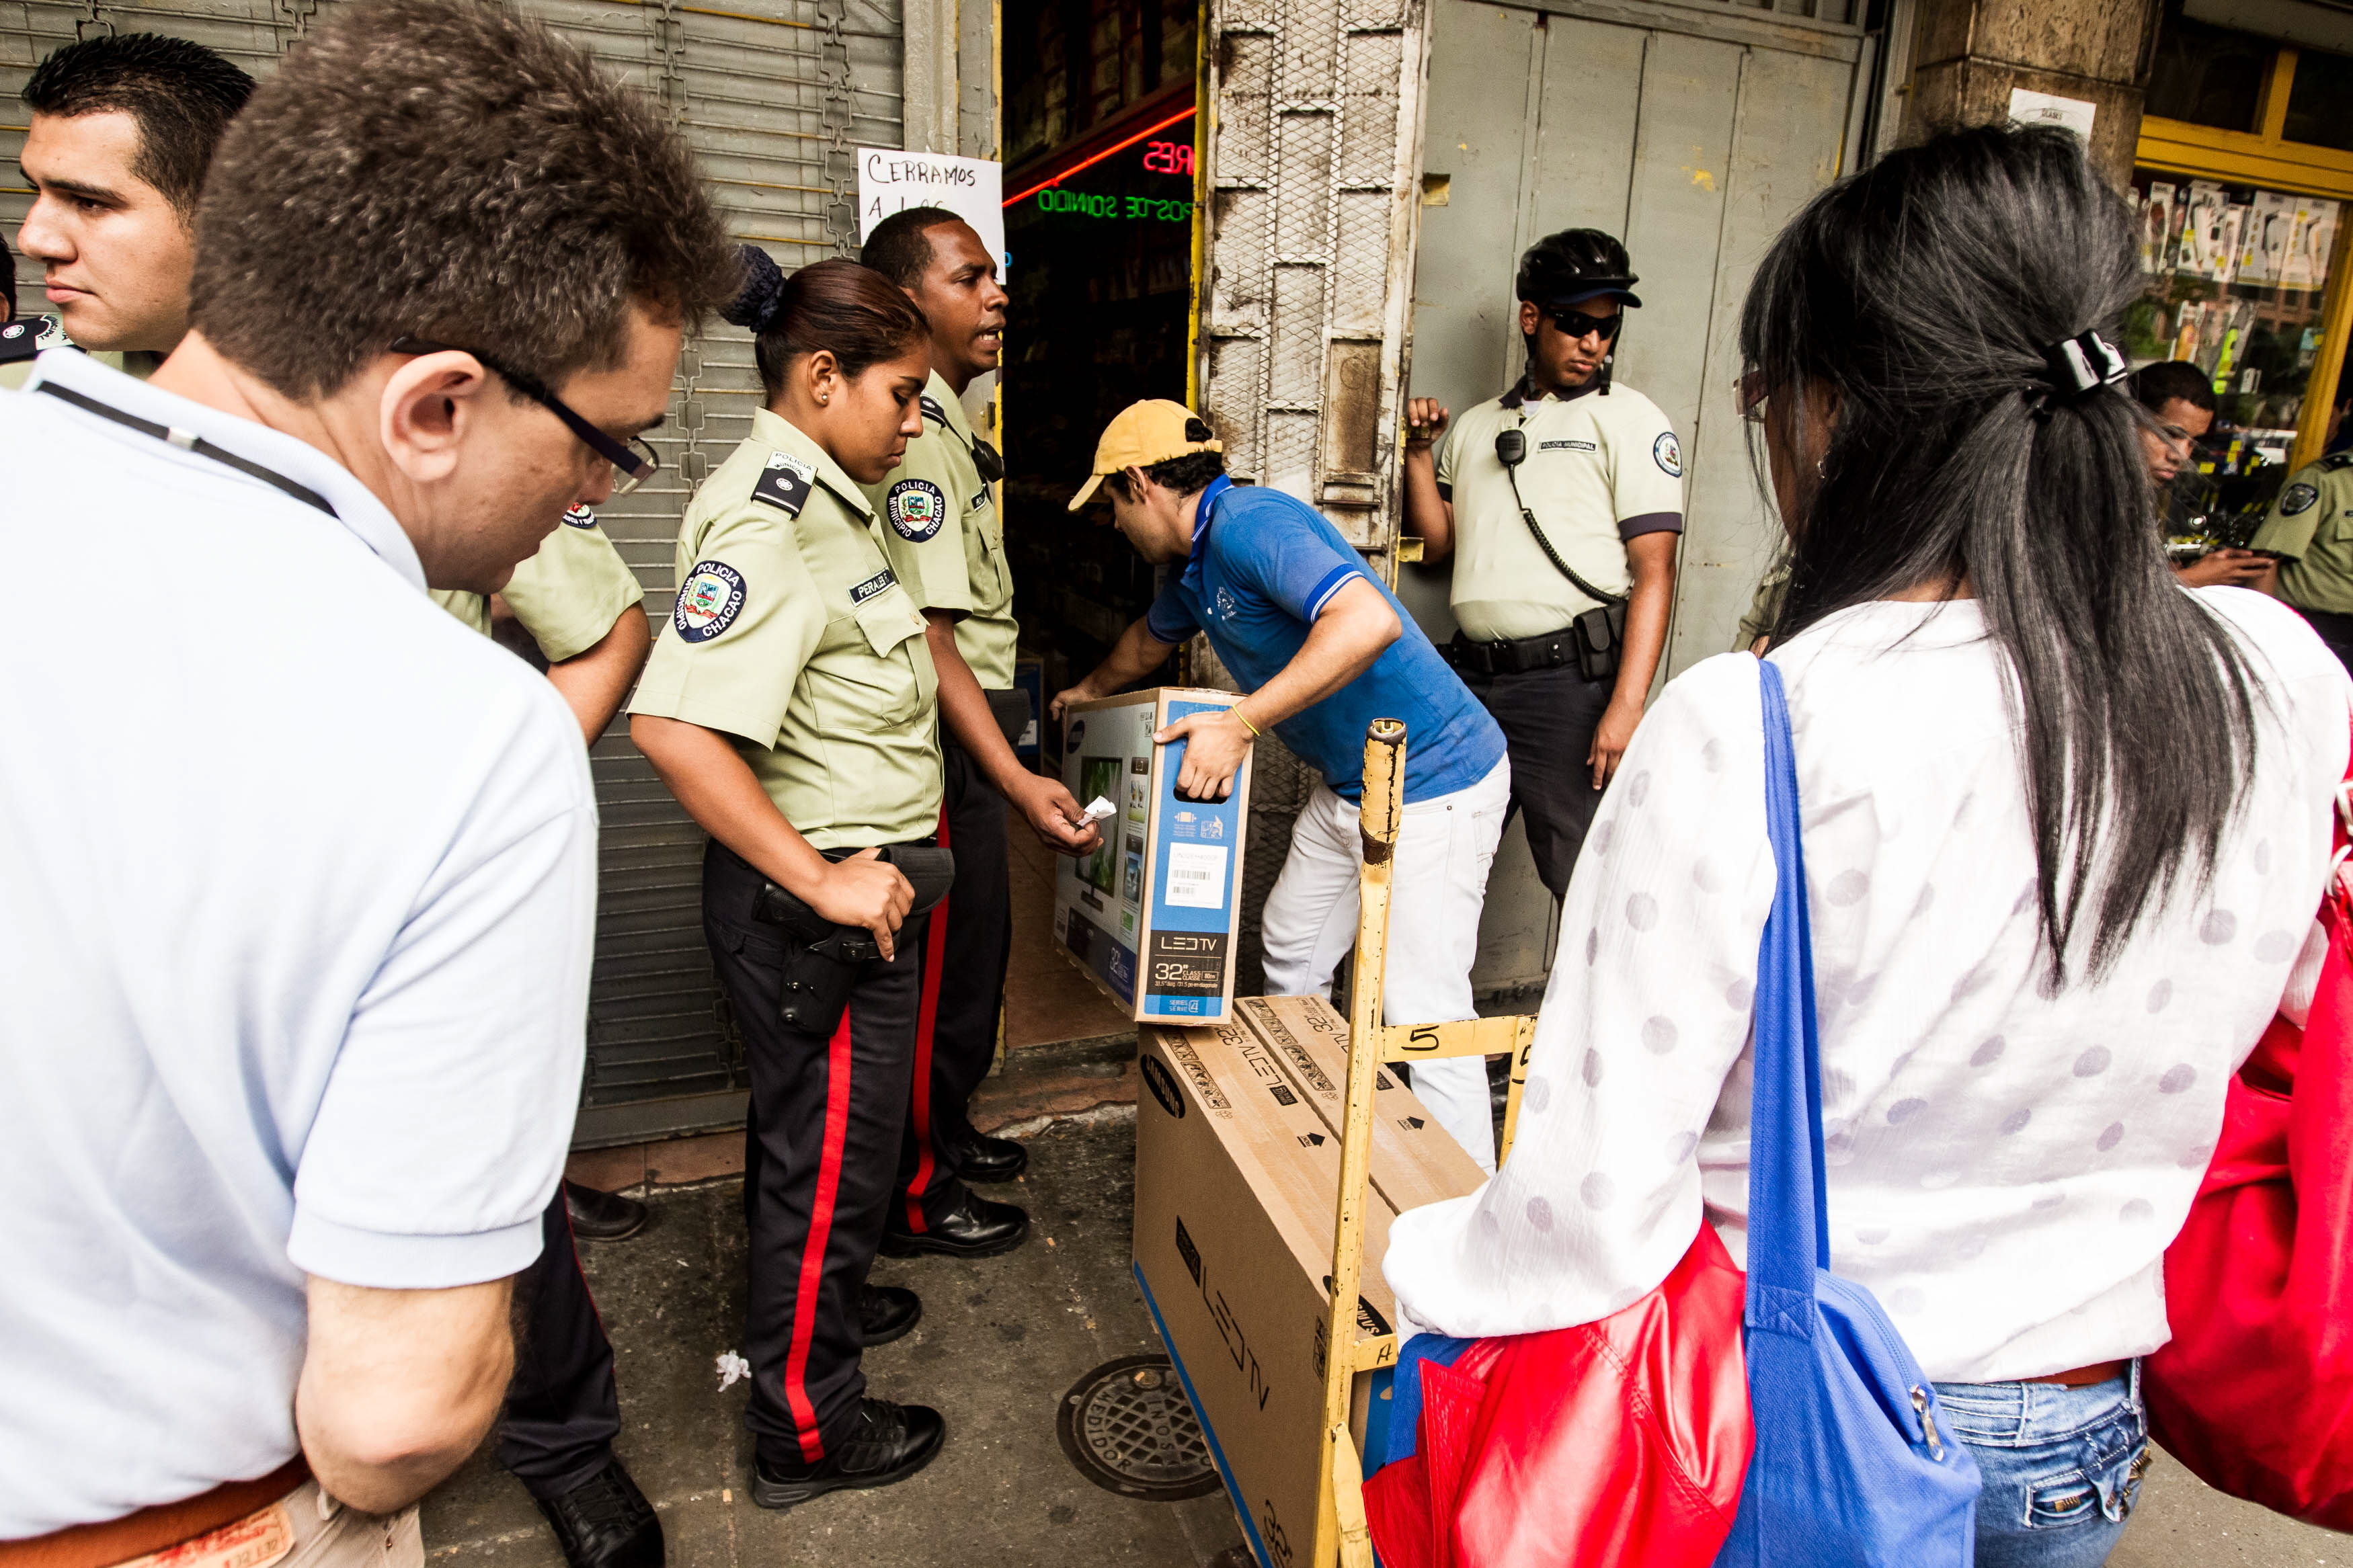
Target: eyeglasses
{"x": 634, "y": 462}
{"x": 1578, "y": 325}
{"x": 1748, "y": 389}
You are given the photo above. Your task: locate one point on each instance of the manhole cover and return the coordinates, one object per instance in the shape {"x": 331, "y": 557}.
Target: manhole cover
{"x": 1129, "y": 1429}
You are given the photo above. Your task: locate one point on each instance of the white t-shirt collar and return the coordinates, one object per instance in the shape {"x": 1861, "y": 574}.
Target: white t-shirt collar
{"x": 355, "y": 506}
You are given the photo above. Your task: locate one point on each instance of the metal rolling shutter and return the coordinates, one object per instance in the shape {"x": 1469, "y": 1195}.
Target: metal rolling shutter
{"x": 774, "y": 98}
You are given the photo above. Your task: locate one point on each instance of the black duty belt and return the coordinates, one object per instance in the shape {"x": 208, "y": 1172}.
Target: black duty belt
{"x": 1515, "y": 656}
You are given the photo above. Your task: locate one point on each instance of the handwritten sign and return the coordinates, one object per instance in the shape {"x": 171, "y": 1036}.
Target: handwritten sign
{"x": 890, "y": 181}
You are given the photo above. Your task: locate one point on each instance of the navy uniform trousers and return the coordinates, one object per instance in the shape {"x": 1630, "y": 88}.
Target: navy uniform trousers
{"x": 965, "y": 956}
{"x": 820, "y": 1156}
{"x": 1548, "y": 718}
{"x": 562, "y": 1409}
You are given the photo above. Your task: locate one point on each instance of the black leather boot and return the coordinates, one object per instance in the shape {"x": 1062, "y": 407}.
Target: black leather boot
{"x": 887, "y": 1443}
{"x": 606, "y": 1522}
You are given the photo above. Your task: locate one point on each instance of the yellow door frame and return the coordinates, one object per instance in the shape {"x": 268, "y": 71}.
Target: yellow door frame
{"x": 2267, "y": 158}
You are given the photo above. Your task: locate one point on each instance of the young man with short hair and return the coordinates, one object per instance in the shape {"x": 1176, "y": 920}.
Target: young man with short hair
{"x": 2183, "y": 405}
{"x": 326, "y": 977}
{"x": 947, "y": 541}
{"x": 1320, "y": 648}
{"x": 122, "y": 129}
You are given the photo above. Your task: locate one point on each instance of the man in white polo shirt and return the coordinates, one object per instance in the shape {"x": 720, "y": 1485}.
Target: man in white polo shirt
{"x": 295, "y": 902}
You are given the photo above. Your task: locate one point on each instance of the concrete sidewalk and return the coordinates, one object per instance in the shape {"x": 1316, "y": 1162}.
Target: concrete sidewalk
{"x": 1001, "y": 1341}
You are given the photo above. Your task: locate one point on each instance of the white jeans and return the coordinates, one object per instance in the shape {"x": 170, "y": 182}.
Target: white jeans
{"x": 1436, "y": 887}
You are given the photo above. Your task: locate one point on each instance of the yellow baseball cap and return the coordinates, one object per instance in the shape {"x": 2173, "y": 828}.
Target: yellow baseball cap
{"x": 1146, "y": 433}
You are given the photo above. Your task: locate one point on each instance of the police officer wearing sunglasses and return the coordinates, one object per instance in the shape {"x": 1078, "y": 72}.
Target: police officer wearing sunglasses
{"x": 1560, "y": 502}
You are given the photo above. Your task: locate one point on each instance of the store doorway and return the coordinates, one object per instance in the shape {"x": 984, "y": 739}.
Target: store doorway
{"x": 1099, "y": 149}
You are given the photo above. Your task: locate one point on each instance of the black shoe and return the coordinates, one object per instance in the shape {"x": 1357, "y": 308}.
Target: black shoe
{"x": 977, "y": 1228}
{"x": 602, "y": 1216}
{"x": 886, "y": 1312}
{"x": 987, "y": 1159}
{"x": 887, "y": 1443}
{"x": 606, "y": 1522}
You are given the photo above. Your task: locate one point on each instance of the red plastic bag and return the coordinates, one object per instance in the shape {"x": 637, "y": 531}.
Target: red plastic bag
{"x": 1620, "y": 1442}
{"x": 2255, "y": 1393}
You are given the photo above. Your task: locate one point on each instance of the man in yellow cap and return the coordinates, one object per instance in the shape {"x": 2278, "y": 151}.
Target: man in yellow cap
{"x": 1320, "y": 648}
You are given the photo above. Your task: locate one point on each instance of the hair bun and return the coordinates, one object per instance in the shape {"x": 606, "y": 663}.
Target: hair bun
{"x": 755, "y": 304}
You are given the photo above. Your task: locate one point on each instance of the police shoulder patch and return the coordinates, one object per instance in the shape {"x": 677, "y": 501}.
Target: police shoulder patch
{"x": 785, "y": 484}
{"x": 580, "y": 517}
{"x": 916, "y": 509}
{"x": 1669, "y": 454}
{"x": 932, "y": 409}
{"x": 18, "y": 339}
{"x": 2297, "y": 498}
{"x": 708, "y": 601}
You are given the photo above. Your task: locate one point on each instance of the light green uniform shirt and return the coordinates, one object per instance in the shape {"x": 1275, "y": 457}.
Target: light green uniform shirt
{"x": 794, "y": 638}
{"x": 1764, "y": 609}
{"x": 947, "y": 541}
{"x": 567, "y": 595}
{"x": 1602, "y": 468}
{"x": 2311, "y": 525}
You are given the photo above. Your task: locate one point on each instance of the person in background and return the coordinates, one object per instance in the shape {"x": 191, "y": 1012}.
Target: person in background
{"x": 1321, "y": 648}
{"x": 19, "y": 341}
{"x": 326, "y": 988}
{"x": 124, "y": 129}
{"x": 791, "y": 707}
{"x": 2181, "y": 408}
{"x": 1582, "y": 525}
{"x": 2305, "y": 541}
{"x": 2022, "y": 1063}
{"x": 946, "y": 542}
{"x": 121, "y": 129}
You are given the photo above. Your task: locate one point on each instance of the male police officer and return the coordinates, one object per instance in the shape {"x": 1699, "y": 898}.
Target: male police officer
{"x": 2309, "y": 533}
{"x": 946, "y": 540}
{"x": 1560, "y": 502}
{"x": 124, "y": 129}
{"x": 1322, "y": 649}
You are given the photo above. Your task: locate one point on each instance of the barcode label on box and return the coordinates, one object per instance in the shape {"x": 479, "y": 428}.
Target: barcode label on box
{"x": 1197, "y": 876}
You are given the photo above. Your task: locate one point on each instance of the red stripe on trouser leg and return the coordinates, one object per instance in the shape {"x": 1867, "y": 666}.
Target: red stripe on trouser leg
{"x": 927, "y": 1017}
{"x": 820, "y": 1231}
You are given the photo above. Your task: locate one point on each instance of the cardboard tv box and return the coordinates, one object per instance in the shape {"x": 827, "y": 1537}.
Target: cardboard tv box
{"x": 1415, "y": 1161}
{"x": 1151, "y": 915}
{"x": 1236, "y": 1179}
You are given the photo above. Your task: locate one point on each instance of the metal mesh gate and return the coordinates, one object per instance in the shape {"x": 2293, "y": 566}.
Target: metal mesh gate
{"x": 774, "y": 96}
{"x": 1311, "y": 162}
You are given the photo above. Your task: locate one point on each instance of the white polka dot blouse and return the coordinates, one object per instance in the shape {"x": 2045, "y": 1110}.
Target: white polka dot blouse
{"x": 2006, "y": 1167}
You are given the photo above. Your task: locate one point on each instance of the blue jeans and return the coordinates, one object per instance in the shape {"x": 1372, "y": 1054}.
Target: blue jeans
{"x": 2061, "y": 1467}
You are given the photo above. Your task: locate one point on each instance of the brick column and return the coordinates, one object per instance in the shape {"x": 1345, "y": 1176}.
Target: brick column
{"x": 1969, "y": 53}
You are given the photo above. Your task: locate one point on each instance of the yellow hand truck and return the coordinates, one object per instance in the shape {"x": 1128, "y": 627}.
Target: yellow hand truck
{"x": 1342, "y": 1536}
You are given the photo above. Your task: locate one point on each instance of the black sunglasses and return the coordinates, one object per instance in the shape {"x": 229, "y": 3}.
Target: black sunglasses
{"x": 634, "y": 462}
{"x": 1577, "y": 324}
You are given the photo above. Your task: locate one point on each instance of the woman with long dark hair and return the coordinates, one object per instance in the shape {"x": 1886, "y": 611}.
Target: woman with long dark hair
{"x": 2067, "y": 825}
{"x": 789, "y": 706}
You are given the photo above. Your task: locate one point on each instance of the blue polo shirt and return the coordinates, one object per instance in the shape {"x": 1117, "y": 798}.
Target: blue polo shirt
{"x": 1263, "y": 567}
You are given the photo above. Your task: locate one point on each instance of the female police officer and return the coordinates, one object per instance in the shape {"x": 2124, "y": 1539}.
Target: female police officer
{"x": 789, "y": 706}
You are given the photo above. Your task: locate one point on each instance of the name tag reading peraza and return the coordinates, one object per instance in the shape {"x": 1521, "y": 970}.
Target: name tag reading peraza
{"x": 871, "y": 586}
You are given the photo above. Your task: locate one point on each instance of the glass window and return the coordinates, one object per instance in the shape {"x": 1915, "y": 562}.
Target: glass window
{"x": 2317, "y": 101}
{"x": 2235, "y": 279}
{"x": 2207, "y": 76}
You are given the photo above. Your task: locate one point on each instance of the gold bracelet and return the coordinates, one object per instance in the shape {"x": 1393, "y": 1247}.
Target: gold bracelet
{"x": 1256, "y": 733}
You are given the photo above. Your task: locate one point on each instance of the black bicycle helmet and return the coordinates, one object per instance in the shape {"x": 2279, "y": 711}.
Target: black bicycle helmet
{"x": 1576, "y": 264}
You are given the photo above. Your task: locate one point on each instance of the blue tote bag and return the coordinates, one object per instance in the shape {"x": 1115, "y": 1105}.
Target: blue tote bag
{"x": 1854, "y": 1464}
